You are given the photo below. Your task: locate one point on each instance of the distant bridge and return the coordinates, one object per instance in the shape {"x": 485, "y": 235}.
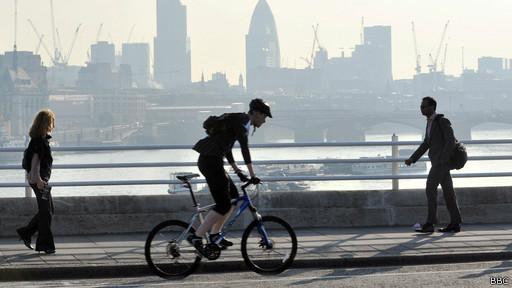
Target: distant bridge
{"x": 343, "y": 125}
{"x": 312, "y": 125}
{"x": 344, "y": 117}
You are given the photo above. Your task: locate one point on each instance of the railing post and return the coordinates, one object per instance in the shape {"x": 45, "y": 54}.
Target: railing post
{"x": 395, "y": 165}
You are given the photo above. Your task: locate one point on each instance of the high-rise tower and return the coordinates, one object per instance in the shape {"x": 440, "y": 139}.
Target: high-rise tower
{"x": 103, "y": 52}
{"x": 172, "y": 48}
{"x": 261, "y": 44}
{"x": 374, "y": 57}
{"x": 136, "y": 55}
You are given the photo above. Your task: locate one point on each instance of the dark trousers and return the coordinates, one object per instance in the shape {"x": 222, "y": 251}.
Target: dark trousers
{"x": 221, "y": 186}
{"x": 440, "y": 174}
{"x": 40, "y": 223}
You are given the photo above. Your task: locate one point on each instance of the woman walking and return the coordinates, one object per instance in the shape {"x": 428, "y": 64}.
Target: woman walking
{"x": 39, "y": 172}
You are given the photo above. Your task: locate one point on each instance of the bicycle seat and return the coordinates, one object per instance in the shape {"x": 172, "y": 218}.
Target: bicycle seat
{"x": 187, "y": 177}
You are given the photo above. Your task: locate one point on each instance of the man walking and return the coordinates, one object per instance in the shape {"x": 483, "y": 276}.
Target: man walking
{"x": 440, "y": 142}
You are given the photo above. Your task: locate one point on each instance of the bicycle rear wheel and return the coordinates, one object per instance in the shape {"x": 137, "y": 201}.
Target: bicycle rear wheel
{"x": 275, "y": 256}
{"x": 167, "y": 251}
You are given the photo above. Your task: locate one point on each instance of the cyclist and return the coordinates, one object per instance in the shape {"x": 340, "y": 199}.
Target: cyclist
{"x": 212, "y": 149}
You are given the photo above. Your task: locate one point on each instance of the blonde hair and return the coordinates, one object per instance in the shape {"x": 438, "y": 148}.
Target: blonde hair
{"x": 43, "y": 123}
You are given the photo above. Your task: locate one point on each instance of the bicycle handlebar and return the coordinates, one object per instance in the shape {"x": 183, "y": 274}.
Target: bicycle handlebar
{"x": 247, "y": 185}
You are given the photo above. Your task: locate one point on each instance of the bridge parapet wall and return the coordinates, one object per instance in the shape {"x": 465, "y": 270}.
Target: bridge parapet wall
{"x": 122, "y": 214}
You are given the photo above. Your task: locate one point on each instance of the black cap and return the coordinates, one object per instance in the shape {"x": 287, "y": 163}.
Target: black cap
{"x": 257, "y": 104}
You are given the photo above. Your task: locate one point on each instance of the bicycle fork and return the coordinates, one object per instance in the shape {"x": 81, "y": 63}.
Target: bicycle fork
{"x": 265, "y": 239}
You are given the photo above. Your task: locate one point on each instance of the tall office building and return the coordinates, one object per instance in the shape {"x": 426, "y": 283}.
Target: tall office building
{"x": 261, "y": 44}
{"x": 172, "y": 47}
{"x": 374, "y": 57}
{"x": 23, "y": 90}
{"x": 136, "y": 55}
{"x": 490, "y": 65}
{"x": 103, "y": 52}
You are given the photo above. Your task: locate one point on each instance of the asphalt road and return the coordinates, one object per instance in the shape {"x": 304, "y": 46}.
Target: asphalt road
{"x": 481, "y": 274}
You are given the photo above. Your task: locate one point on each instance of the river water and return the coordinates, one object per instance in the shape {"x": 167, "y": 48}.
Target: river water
{"x": 257, "y": 154}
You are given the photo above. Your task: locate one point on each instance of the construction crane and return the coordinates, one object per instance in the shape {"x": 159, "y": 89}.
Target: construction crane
{"x": 315, "y": 39}
{"x": 39, "y": 44}
{"x": 42, "y": 42}
{"x": 57, "y": 57}
{"x": 59, "y": 46}
{"x": 444, "y": 57}
{"x": 462, "y": 64}
{"x": 99, "y": 33}
{"x": 361, "y": 34}
{"x": 15, "y": 48}
{"x": 311, "y": 57}
{"x": 130, "y": 34}
{"x": 56, "y": 51}
{"x": 66, "y": 60}
{"x": 433, "y": 61}
{"x": 416, "y": 55}
{"x": 315, "y": 32}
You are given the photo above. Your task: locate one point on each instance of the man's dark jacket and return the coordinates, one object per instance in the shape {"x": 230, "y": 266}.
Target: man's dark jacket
{"x": 440, "y": 143}
{"x": 220, "y": 144}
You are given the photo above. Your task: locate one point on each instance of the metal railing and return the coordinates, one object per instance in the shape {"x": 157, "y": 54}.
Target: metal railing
{"x": 394, "y": 176}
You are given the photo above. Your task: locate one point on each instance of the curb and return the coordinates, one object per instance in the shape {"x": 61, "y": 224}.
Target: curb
{"x": 141, "y": 269}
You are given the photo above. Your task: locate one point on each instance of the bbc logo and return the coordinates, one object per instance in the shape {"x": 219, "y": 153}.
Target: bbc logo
{"x": 499, "y": 280}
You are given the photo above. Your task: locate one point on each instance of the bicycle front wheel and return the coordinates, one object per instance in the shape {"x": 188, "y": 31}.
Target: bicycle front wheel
{"x": 167, "y": 251}
{"x": 269, "y": 246}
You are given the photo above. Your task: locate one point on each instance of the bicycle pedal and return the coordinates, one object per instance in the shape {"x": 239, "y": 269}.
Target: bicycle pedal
{"x": 212, "y": 251}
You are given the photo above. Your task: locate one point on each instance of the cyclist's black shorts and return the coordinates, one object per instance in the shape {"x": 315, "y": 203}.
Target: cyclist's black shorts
{"x": 221, "y": 186}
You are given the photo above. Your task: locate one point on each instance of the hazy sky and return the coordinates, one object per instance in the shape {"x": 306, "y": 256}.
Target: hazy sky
{"x": 217, "y": 28}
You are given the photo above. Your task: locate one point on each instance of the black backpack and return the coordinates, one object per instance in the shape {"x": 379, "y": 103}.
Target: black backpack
{"x": 214, "y": 125}
{"x": 26, "y": 163}
{"x": 459, "y": 156}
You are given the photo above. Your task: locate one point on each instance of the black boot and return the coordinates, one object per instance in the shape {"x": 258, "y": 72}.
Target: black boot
{"x": 27, "y": 240}
{"x": 452, "y": 227}
{"x": 426, "y": 228}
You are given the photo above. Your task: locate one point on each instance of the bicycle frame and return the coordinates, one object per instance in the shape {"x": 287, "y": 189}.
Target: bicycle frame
{"x": 246, "y": 202}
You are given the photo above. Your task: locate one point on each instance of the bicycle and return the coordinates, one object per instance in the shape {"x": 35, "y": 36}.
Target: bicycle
{"x": 268, "y": 244}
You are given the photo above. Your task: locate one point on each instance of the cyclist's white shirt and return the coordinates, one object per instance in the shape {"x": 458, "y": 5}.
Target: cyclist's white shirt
{"x": 247, "y": 127}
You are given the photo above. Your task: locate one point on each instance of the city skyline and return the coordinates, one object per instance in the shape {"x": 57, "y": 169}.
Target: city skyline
{"x": 218, "y": 42}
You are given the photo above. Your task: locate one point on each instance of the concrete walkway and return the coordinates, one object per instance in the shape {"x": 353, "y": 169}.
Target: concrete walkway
{"x": 122, "y": 255}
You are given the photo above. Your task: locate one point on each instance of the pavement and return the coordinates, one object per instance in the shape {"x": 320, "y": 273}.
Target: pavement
{"x": 122, "y": 255}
